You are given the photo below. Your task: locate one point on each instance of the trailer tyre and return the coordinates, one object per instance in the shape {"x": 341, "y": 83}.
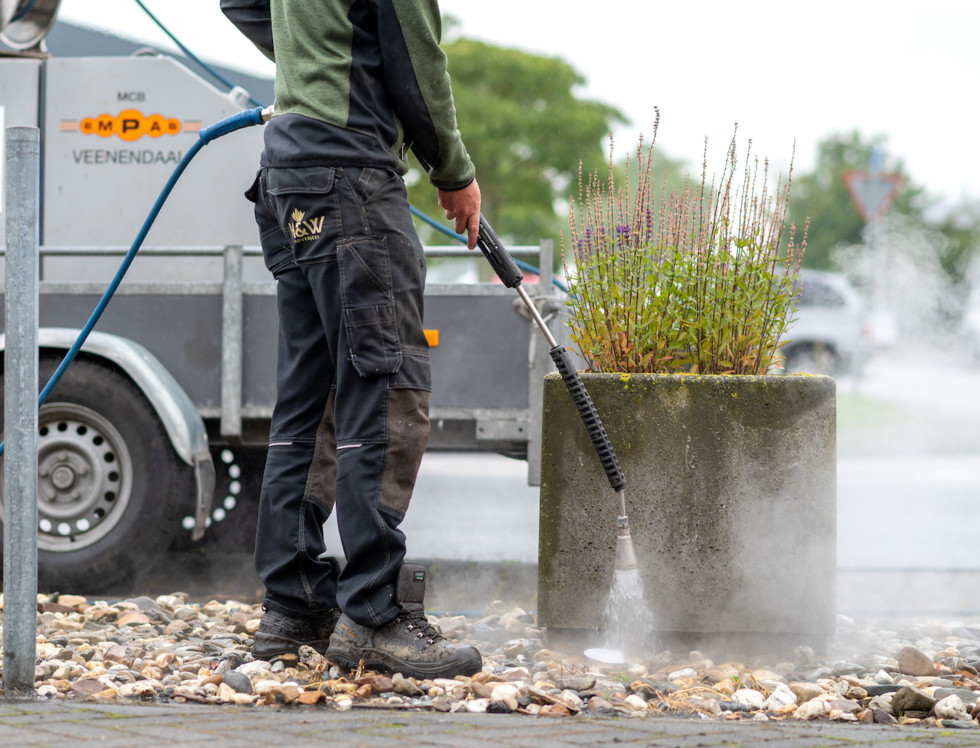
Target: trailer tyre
{"x": 111, "y": 489}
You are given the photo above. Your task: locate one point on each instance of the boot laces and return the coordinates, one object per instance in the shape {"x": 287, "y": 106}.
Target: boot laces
{"x": 416, "y": 621}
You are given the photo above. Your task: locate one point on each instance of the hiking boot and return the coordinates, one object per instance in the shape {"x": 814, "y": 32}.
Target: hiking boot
{"x": 408, "y": 644}
{"x": 280, "y": 636}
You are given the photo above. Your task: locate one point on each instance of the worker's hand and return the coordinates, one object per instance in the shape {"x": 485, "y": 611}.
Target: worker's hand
{"x": 463, "y": 207}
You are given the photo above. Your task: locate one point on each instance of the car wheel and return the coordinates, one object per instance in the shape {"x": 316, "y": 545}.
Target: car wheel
{"x": 812, "y": 358}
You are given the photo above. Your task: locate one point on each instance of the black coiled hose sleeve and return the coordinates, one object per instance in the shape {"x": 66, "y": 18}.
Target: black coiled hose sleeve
{"x": 586, "y": 409}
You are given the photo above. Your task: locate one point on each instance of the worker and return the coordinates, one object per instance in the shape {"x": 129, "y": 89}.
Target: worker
{"x": 358, "y": 84}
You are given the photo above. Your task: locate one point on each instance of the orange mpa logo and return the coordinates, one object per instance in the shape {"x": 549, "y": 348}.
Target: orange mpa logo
{"x": 129, "y": 125}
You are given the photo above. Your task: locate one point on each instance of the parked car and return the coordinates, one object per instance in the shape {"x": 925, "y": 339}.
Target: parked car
{"x": 831, "y": 333}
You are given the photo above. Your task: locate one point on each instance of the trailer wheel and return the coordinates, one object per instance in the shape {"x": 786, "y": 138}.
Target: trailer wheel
{"x": 110, "y": 486}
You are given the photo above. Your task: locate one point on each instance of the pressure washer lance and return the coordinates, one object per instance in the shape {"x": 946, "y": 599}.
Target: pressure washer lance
{"x": 506, "y": 269}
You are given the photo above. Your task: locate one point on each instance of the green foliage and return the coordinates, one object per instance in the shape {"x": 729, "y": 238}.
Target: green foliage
{"x": 526, "y": 131}
{"x": 946, "y": 238}
{"x": 822, "y": 196}
{"x": 684, "y": 281}
{"x": 960, "y": 229}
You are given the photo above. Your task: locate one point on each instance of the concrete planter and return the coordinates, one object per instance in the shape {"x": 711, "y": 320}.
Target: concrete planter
{"x": 731, "y": 496}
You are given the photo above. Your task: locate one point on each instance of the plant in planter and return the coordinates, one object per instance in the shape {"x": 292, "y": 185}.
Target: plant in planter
{"x": 693, "y": 281}
{"x": 678, "y": 303}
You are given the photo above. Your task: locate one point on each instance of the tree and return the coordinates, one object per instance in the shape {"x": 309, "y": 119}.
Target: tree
{"x": 822, "y": 196}
{"x": 526, "y": 131}
{"x": 930, "y": 248}
{"x": 960, "y": 251}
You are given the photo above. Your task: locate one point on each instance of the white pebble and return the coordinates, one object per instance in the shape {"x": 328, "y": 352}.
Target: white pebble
{"x": 573, "y": 698}
{"x": 635, "y": 701}
{"x": 507, "y": 694}
{"x": 811, "y": 709}
{"x": 263, "y": 687}
{"x": 951, "y": 707}
{"x": 781, "y": 696}
{"x": 750, "y": 698}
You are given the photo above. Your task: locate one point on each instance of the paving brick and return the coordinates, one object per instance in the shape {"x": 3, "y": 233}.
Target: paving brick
{"x": 39, "y": 724}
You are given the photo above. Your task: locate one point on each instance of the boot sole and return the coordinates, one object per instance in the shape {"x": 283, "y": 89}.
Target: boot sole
{"x": 466, "y": 662}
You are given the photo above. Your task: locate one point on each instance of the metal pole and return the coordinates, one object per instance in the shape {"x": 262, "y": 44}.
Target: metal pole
{"x": 232, "y": 312}
{"x": 880, "y": 271}
{"x": 21, "y": 198}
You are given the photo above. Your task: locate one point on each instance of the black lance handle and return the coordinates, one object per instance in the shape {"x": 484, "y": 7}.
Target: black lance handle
{"x": 497, "y": 255}
{"x": 590, "y": 417}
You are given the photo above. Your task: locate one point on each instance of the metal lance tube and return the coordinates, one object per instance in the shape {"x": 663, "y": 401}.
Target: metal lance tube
{"x": 21, "y": 189}
{"x": 625, "y": 555}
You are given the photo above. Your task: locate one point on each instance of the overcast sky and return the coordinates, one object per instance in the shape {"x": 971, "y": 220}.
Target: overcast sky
{"x": 782, "y": 70}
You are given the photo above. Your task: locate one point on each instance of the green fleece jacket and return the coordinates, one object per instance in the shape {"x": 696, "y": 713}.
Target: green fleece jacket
{"x": 357, "y": 82}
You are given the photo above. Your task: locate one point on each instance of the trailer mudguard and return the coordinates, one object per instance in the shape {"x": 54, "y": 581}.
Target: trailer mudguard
{"x": 177, "y": 413}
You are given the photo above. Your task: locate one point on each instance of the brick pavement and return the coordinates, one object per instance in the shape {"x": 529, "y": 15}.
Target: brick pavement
{"x": 38, "y": 724}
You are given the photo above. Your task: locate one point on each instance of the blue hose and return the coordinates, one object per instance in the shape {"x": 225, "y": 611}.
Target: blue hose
{"x": 235, "y": 122}
{"x": 462, "y": 240}
{"x": 191, "y": 55}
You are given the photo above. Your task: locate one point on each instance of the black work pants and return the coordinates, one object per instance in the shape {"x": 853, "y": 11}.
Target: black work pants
{"x": 351, "y": 421}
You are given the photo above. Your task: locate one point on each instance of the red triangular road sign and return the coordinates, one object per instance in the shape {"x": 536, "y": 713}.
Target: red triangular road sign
{"x": 872, "y": 194}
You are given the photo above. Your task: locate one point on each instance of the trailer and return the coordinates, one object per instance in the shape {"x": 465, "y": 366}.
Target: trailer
{"x": 157, "y": 432}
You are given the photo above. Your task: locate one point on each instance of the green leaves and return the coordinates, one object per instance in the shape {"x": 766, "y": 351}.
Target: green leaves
{"x": 526, "y": 130}
{"x": 687, "y": 281}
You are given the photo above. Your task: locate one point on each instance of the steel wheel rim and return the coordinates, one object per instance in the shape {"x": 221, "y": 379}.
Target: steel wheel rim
{"x": 85, "y": 477}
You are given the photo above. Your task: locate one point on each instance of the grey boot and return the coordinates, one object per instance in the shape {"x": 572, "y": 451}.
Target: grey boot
{"x": 408, "y": 644}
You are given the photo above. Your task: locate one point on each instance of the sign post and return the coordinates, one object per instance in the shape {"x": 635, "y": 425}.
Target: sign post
{"x": 873, "y": 193}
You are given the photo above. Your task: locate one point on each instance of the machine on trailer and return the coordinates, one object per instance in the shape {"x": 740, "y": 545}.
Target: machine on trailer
{"x": 158, "y": 430}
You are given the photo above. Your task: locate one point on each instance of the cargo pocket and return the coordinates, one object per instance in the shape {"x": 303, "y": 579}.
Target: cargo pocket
{"x": 252, "y": 193}
{"x": 306, "y": 207}
{"x": 300, "y": 180}
{"x": 370, "y": 321}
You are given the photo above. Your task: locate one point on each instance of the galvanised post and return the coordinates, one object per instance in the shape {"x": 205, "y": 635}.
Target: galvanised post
{"x": 21, "y": 191}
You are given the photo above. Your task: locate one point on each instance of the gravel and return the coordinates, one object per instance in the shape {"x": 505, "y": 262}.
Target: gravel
{"x": 170, "y": 649}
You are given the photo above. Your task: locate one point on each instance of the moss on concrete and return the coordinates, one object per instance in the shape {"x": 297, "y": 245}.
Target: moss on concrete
{"x": 731, "y": 495}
